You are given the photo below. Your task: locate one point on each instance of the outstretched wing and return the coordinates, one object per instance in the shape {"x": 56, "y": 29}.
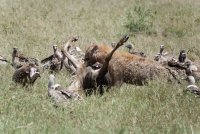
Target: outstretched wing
{"x": 68, "y": 94}
{"x": 3, "y": 59}
{"x": 193, "y": 89}
{"x": 47, "y": 59}
{"x": 22, "y": 58}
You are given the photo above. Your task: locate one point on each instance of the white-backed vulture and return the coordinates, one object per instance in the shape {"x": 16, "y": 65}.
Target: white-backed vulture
{"x": 132, "y": 51}
{"x": 54, "y": 61}
{"x": 18, "y": 59}
{"x": 26, "y": 75}
{"x": 162, "y": 57}
{"x": 192, "y": 87}
{"x": 182, "y": 56}
{"x": 193, "y": 70}
{"x": 3, "y": 60}
{"x": 60, "y": 94}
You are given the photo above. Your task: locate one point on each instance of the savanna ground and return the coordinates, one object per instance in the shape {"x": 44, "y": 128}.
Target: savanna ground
{"x": 160, "y": 107}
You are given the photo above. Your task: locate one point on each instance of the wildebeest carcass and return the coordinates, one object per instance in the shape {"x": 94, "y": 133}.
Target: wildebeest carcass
{"x": 88, "y": 79}
{"x": 73, "y": 50}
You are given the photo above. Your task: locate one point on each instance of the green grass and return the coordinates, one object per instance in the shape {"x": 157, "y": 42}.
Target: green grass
{"x": 159, "y": 107}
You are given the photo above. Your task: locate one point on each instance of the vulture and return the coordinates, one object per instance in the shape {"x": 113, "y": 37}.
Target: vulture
{"x": 3, "y": 60}
{"x": 192, "y": 87}
{"x": 182, "y": 56}
{"x": 131, "y": 51}
{"x": 161, "y": 57}
{"x": 170, "y": 60}
{"x": 54, "y": 61}
{"x": 18, "y": 59}
{"x": 59, "y": 94}
{"x": 26, "y": 75}
{"x": 192, "y": 69}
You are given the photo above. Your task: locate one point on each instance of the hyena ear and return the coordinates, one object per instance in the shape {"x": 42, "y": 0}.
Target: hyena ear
{"x": 94, "y": 49}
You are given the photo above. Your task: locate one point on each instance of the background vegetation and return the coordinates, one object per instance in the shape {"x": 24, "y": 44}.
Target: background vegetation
{"x": 160, "y": 107}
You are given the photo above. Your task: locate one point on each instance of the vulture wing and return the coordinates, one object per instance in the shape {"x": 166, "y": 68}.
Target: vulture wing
{"x": 47, "y": 59}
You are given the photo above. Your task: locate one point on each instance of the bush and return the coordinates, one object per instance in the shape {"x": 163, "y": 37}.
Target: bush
{"x": 139, "y": 20}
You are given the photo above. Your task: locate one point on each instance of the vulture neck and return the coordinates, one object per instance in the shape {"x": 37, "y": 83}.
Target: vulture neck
{"x": 51, "y": 82}
{"x": 191, "y": 80}
{"x": 161, "y": 51}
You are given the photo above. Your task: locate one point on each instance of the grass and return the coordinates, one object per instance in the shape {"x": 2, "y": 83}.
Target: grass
{"x": 158, "y": 107}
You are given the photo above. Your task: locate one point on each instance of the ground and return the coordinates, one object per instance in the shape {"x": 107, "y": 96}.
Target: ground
{"x": 159, "y": 107}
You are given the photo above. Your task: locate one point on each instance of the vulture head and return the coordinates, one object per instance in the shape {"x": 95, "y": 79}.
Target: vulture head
{"x": 182, "y": 56}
